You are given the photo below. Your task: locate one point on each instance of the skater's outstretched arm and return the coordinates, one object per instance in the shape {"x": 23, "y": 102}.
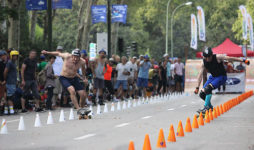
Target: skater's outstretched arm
{"x": 55, "y": 53}
{"x": 223, "y": 57}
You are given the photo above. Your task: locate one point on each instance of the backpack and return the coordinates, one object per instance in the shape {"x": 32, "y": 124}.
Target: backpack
{"x": 42, "y": 77}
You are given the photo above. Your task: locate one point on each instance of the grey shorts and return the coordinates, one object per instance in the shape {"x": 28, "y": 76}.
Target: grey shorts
{"x": 58, "y": 87}
{"x": 98, "y": 83}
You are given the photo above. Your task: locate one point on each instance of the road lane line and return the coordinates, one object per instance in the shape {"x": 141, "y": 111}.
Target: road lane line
{"x": 171, "y": 109}
{"x": 122, "y": 125}
{"x": 193, "y": 102}
{"x": 147, "y": 117}
{"x": 13, "y": 121}
{"x": 84, "y": 137}
{"x": 183, "y": 106}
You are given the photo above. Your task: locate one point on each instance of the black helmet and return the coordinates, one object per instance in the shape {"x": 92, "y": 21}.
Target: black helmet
{"x": 207, "y": 52}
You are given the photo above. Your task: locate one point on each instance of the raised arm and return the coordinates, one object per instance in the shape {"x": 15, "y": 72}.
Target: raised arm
{"x": 22, "y": 73}
{"x": 63, "y": 55}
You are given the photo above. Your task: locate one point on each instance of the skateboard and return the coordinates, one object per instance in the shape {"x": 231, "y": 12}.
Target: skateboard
{"x": 84, "y": 114}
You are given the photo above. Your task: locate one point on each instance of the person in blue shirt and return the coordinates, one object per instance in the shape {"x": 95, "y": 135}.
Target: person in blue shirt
{"x": 143, "y": 74}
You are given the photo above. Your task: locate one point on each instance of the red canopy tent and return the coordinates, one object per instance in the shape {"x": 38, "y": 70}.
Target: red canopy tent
{"x": 229, "y": 48}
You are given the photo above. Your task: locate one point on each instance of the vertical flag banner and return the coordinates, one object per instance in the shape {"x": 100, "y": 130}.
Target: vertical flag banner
{"x": 194, "y": 41}
{"x": 250, "y": 28}
{"x": 201, "y": 24}
{"x": 62, "y": 4}
{"x": 99, "y": 13}
{"x": 119, "y": 13}
{"x": 244, "y": 14}
{"x": 36, "y": 4}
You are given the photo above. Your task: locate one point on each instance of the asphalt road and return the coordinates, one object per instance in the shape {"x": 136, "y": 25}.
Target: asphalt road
{"x": 234, "y": 130}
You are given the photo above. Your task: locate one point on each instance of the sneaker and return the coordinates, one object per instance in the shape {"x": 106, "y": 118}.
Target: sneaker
{"x": 23, "y": 111}
{"x": 203, "y": 110}
{"x": 115, "y": 100}
{"x": 38, "y": 109}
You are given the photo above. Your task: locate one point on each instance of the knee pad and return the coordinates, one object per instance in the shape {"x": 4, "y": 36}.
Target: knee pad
{"x": 202, "y": 95}
{"x": 208, "y": 89}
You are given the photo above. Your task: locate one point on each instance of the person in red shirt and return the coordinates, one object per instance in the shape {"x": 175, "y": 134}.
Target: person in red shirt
{"x": 107, "y": 78}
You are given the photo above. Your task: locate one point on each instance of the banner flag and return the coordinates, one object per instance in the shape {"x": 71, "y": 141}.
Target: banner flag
{"x": 62, "y": 4}
{"x": 201, "y": 24}
{"x": 119, "y": 13}
{"x": 99, "y": 13}
{"x": 194, "y": 41}
{"x": 244, "y": 14}
{"x": 36, "y": 4}
{"x": 250, "y": 28}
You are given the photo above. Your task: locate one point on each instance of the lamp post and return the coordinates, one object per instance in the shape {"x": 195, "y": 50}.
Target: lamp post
{"x": 172, "y": 18}
{"x": 166, "y": 50}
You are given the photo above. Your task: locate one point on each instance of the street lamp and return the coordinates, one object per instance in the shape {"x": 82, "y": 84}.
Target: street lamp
{"x": 166, "y": 50}
{"x": 172, "y": 18}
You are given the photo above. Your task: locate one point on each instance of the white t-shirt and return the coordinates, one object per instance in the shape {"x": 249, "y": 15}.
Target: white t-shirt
{"x": 179, "y": 68}
{"x": 58, "y": 65}
{"x": 133, "y": 68}
{"x": 120, "y": 68}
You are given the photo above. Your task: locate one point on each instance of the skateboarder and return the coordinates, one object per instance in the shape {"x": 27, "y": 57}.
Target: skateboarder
{"x": 213, "y": 64}
{"x": 68, "y": 78}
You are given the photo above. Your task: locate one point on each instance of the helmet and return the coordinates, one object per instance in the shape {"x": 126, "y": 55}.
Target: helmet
{"x": 156, "y": 67}
{"x": 207, "y": 52}
{"x": 14, "y": 53}
{"x": 165, "y": 55}
{"x": 102, "y": 51}
{"x": 76, "y": 52}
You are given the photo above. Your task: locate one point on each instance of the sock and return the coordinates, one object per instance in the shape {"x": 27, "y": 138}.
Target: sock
{"x": 11, "y": 110}
{"x": 5, "y": 110}
{"x": 208, "y": 100}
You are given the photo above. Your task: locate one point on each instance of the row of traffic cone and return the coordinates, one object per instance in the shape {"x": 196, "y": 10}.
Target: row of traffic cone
{"x": 37, "y": 122}
{"x": 209, "y": 116}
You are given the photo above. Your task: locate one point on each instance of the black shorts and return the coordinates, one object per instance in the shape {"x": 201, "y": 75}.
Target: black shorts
{"x": 67, "y": 82}
{"x": 178, "y": 78}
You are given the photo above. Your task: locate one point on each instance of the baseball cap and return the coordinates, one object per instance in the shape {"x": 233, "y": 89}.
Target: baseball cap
{"x": 2, "y": 52}
{"x": 59, "y": 48}
{"x": 165, "y": 55}
{"x": 76, "y": 52}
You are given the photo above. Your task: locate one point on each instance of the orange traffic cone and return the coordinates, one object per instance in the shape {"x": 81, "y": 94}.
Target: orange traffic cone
{"x": 180, "y": 132}
{"x": 171, "y": 136}
{"x": 161, "y": 140}
{"x": 147, "y": 145}
{"x": 218, "y": 111}
{"x": 214, "y": 113}
{"x": 221, "y": 109}
{"x": 210, "y": 115}
{"x": 188, "y": 126}
{"x": 224, "y": 108}
{"x": 207, "y": 119}
{"x": 195, "y": 122}
{"x": 200, "y": 119}
{"x": 131, "y": 146}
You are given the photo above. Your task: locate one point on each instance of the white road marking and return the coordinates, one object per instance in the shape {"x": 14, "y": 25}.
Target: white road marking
{"x": 122, "y": 125}
{"x": 171, "y": 109}
{"x": 84, "y": 137}
{"x": 193, "y": 102}
{"x": 146, "y": 117}
{"x": 183, "y": 106}
{"x": 13, "y": 121}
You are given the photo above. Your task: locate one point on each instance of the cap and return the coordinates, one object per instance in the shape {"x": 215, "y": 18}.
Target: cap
{"x": 146, "y": 57}
{"x": 156, "y": 67}
{"x": 84, "y": 52}
{"x": 111, "y": 59}
{"x": 42, "y": 57}
{"x": 165, "y": 55}
{"x": 76, "y": 52}
{"x": 59, "y": 48}
{"x": 134, "y": 57}
{"x": 2, "y": 52}
{"x": 207, "y": 52}
{"x": 102, "y": 51}
{"x": 141, "y": 56}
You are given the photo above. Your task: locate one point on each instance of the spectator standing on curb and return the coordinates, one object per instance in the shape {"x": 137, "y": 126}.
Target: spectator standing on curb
{"x": 50, "y": 82}
{"x": 179, "y": 66}
{"x": 3, "y": 60}
{"x": 29, "y": 79}
{"x": 144, "y": 66}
